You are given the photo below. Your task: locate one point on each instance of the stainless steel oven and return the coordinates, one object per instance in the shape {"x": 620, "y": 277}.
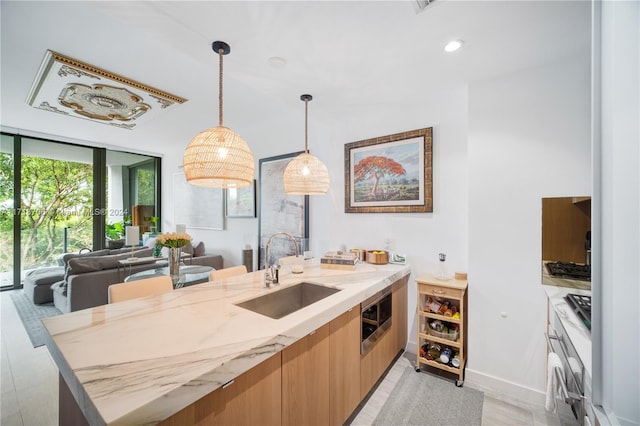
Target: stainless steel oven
{"x": 575, "y": 380}
{"x": 375, "y": 315}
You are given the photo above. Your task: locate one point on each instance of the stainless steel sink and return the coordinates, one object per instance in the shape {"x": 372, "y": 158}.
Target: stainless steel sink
{"x": 288, "y": 300}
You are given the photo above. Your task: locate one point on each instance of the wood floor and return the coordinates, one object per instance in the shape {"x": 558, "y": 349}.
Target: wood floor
{"x": 30, "y": 385}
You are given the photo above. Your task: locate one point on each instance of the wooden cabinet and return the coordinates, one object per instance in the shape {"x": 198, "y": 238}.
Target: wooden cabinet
{"x": 142, "y": 217}
{"x": 250, "y": 399}
{"x": 318, "y": 380}
{"x": 376, "y": 361}
{"x": 305, "y": 380}
{"x": 433, "y": 292}
{"x": 400, "y": 314}
{"x": 344, "y": 366}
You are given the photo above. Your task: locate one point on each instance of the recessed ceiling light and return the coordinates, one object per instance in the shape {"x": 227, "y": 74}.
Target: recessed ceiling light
{"x": 277, "y": 62}
{"x": 452, "y": 46}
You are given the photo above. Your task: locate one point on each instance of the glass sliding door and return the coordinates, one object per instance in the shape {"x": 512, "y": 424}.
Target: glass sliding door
{"x": 6, "y": 210}
{"x": 57, "y": 197}
{"x": 132, "y": 193}
{"x": 56, "y": 213}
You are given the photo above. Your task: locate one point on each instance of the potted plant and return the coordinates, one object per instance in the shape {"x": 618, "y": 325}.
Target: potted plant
{"x": 154, "y": 227}
{"x": 115, "y": 233}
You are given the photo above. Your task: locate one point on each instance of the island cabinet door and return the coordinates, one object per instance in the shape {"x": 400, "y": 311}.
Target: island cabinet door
{"x": 399, "y": 312}
{"x": 344, "y": 366}
{"x": 253, "y": 398}
{"x": 305, "y": 380}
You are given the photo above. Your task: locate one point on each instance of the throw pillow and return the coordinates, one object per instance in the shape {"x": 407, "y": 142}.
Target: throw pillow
{"x": 199, "y": 249}
{"x": 188, "y": 249}
{"x": 151, "y": 242}
{"x": 60, "y": 284}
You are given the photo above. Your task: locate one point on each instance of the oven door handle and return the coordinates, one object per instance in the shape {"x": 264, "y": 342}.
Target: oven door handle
{"x": 571, "y": 396}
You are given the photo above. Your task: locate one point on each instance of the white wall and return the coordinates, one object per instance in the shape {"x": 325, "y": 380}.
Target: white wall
{"x": 499, "y": 147}
{"x": 616, "y": 331}
{"x": 529, "y": 137}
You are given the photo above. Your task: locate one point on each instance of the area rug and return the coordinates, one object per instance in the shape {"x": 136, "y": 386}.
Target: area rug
{"x": 424, "y": 399}
{"x": 31, "y": 316}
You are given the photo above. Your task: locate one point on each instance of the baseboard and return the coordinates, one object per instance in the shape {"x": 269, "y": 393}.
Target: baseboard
{"x": 497, "y": 388}
{"x": 504, "y": 390}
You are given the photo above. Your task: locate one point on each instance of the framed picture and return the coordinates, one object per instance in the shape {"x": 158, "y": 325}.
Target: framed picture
{"x": 279, "y": 212}
{"x": 197, "y": 206}
{"x": 241, "y": 202}
{"x": 390, "y": 174}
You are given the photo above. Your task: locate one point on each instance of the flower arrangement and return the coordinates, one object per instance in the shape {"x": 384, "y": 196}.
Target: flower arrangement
{"x": 173, "y": 240}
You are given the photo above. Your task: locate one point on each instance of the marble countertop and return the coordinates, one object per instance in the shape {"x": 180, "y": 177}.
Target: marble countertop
{"x": 140, "y": 361}
{"x": 577, "y": 332}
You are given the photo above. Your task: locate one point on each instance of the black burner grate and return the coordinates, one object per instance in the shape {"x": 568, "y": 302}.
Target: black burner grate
{"x": 569, "y": 270}
{"x": 581, "y": 305}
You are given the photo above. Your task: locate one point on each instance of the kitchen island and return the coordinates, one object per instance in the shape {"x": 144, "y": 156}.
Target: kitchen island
{"x": 144, "y": 360}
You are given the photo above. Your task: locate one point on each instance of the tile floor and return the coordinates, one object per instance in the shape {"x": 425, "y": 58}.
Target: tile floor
{"x": 29, "y": 380}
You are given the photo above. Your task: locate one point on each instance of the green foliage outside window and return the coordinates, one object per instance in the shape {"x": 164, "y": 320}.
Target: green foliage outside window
{"x": 54, "y": 195}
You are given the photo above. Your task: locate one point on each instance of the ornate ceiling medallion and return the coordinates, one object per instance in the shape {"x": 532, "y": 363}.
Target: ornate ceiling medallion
{"x": 67, "y": 86}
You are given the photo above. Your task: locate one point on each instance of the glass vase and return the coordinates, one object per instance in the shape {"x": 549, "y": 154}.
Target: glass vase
{"x": 174, "y": 265}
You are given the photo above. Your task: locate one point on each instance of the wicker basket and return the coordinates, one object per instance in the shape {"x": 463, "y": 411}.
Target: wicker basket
{"x": 378, "y": 258}
{"x": 452, "y": 335}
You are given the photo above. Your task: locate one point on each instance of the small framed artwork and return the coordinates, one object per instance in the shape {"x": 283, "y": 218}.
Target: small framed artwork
{"x": 390, "y": 174}
{"x": 241, "y": 202}
{"x": 280, "y": 212}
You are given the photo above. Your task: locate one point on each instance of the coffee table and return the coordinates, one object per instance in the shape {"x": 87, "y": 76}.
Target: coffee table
{"x": 189, "y": 275}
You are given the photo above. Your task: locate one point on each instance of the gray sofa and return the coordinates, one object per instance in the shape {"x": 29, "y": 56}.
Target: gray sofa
{"x": 87, "y": 279}
{"x": 37, "y": 283}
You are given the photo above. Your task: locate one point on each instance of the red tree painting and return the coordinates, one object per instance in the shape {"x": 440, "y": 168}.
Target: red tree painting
{"x": 376, "y": 167}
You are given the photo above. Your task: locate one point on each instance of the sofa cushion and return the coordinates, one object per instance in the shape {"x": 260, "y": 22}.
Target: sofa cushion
{"x": 198, "y": 250}
{"x": 37, "y": 282}
{"x": 80, "y": 265}
{"x": 44, "y": 276}
{"x": 68, "y": 256}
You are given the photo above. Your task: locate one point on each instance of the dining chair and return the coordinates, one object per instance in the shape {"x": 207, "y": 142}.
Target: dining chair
{"x": 232, "y": 271}
{"x": 140, "y": 288}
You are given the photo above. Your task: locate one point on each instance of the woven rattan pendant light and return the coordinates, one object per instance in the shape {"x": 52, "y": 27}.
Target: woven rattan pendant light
{"x": 218, "y": 157}
{"x": 306, "y": 174}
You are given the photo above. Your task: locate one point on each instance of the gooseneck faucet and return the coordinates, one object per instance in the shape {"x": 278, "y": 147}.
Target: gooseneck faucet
{"x": 271, "y": 272}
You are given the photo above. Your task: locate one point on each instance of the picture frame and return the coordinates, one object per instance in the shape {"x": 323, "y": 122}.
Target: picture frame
{"x": 241, "y": 202}
{"x": 197, "y": 206}
{"x": 390, "y": 174}
{"x": 280, "y": 212}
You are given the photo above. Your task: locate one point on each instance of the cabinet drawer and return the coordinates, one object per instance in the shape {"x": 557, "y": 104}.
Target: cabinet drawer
{"x": 446, "y": 292}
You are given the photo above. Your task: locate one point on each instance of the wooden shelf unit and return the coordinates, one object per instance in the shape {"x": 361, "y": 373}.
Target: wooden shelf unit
{"x": 454, "y": 291}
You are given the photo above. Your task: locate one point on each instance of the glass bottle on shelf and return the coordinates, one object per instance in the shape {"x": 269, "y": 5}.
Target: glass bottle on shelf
{"x": 442, "y": 269}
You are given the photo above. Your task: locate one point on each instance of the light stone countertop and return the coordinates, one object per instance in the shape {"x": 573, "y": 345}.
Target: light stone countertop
{"x": 140, "y": 361}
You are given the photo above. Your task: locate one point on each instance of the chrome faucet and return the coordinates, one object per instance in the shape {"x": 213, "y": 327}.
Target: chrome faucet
{"x": 271, "y": 271}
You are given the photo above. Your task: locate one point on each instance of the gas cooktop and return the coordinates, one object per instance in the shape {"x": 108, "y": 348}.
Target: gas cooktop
{"x": 569, "y": 270}
{"x": 581, "y": 305}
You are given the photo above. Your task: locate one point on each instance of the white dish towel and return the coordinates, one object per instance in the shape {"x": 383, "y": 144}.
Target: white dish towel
{"x": 555, "y": 373}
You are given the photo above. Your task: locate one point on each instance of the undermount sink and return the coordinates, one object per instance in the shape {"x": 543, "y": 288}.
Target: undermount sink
{"x": 288, "y": 300}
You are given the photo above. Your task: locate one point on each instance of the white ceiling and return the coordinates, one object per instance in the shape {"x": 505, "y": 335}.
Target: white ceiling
{"x": 347, "y": 54}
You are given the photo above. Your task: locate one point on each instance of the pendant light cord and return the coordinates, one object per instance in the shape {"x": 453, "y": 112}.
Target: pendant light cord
{"x": 306, "y": 145}
{"x": 221, "y": 55}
